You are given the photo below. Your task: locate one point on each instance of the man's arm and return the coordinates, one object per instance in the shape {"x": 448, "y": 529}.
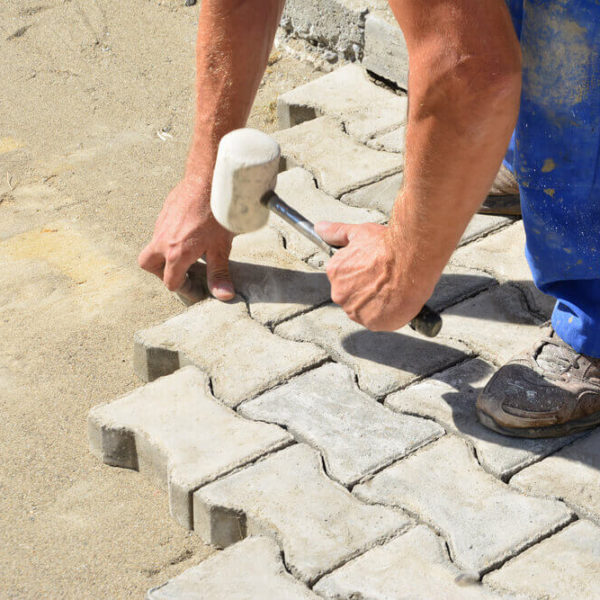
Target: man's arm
{"x": 464, "y": 89}
{"x": 233, "y": 45}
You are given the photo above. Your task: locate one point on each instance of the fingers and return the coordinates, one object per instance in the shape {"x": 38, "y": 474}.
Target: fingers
{"x": 335, "y": 234}
{"x": 152, "y": 261}
{"x": 175, "y": 269}
{"x": 218, "y": 278}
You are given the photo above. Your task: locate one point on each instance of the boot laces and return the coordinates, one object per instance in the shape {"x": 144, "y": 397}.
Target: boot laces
{"x": 555, "y": 356}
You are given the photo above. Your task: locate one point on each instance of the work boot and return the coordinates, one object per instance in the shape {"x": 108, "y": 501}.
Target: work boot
{"x": 548, "y": 391}
{"x": 503, "y": 198}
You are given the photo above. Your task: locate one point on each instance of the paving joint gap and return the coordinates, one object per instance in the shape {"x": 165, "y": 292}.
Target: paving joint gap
{"x": 469, "y": 296}
{"x": 492, "y": 231}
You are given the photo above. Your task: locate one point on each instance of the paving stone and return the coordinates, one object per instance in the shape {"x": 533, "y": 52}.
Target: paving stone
{"x": 354, "y": 433}
{"x": 496, "y": 324}
{"x": 484, "y": 521}
{"x": 566, "y": 566}
{"x": 570, "y": 475}
{"x": 298, "y": 188}
{"x": 456, "y": 284}
{"x": 383, "y": 361}
{"x": 449, "y": 398}
{"x": 392, "y": 141}
{"x": 380, "y": 195}
{"x": 249, "y": 570}
{"x": 503, "y": 256}
{"x": 413, "y": 566}
{"x": 481, "y": 225}
{"x": 175, "y": 430}
{"x": 385, "y": 52}
{"x": 321, "y": 147}
{"x": 242, "y": 357}
{"x": 317, "y": 523}
{"x": 367, "y": 110}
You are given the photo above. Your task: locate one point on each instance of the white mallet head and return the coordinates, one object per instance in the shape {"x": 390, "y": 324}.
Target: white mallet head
{"x": 246, "y": 169}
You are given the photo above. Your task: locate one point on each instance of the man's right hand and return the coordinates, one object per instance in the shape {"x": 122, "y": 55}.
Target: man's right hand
{"x": 185, "y": 231}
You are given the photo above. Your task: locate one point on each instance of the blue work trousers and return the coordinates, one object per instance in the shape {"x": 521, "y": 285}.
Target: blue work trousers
{"x": 555, "y": 155}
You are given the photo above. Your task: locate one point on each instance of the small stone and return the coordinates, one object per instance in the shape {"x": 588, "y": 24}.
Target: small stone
{"x": 190, "y": 2}
{"x": 318, "y": 524}
{"x": 321, "y": 147}
{"x": 242, "y": 357}
{"x": 175, "y": 430}
{"x": 571, "y": 475}
{"x": 484, "y": 521}
{"x": 383, "y": 361}
{"x": 355, "y": 434}
{"x": 566, "y": 566}
{"x": 249, "y": 570}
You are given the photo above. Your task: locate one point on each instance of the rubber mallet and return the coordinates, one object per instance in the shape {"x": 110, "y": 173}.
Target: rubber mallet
{"x": 243, "y": 194}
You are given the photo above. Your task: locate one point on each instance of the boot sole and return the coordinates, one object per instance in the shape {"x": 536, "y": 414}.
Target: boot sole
{"x": 551, "y": 431}
{"x": 501, "y": 206}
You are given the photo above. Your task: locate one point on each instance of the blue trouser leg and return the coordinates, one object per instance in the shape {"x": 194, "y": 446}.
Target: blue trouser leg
{"x": 556, "y": 158}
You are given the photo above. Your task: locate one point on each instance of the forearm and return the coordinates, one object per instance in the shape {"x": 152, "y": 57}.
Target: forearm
{"x": 233, "y": 45}
{"x": 464, "y": 89}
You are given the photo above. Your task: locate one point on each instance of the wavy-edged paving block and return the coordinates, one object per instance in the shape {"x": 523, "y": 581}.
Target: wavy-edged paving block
{"x": 566, "y": 566}
{"x": 249, "y": 570}
{"x": 383, "y": 361}
{"x": 174, "y": 429}
{"x": 571, "y": 475}
{"x": 317, "y": 523}
{"x": 484, "y": 521}
{"x": 321, "y": 147}
{"x": 449, "y": 397}
{"x": 355, "y": 434}
{"x": 414, "y": 565}
{"x": 241, "y": 356}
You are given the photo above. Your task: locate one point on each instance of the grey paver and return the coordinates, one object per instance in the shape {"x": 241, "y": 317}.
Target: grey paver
{"x": 242, "y": 357}
{"x": 276, "y": 284}
{"x": 367, "y": 110}
{"x": 321, "y": 147}
{"x": 479, "y": 226}
{"x": 484, "y": 521}
{"x": 392, "y": 141}
{"x": 456, "y": 284}
{"x": 571, "y": 475}
{"x": 317, "y": 523}
{"x": 503, "y": 256}
{"x": 175, "y": 430}
{"x": 566, "y": 566}
{"x": 385, "y": 50}
{"x": 413, "y": 566}
{"x": 380, "y": 195}
{"x": 354, "y": 433}
{"x": 496, "y": 324}
{"x": 249, "y": 570}
{"x": 298, "y": 188}
{"x": 449, "y": 398}
{"x": 383, "y": 361}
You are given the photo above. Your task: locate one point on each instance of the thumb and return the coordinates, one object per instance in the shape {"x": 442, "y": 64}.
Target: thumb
{"x": 218, "y": 278}
{"x": 335, "y": 234}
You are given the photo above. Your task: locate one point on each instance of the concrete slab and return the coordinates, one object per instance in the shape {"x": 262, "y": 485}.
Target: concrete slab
{"x": 484, "y": 521}
{"x": 317, "y": 523}
{"x": 355, "y": 434}
{"x": 176, "y": 431}
{"x": 242, "y": 357}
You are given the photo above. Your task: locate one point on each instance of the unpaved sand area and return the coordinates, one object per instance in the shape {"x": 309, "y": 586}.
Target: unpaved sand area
{"x": 88, "y": 90}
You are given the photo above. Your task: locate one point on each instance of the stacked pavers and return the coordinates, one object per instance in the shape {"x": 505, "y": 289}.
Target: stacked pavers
{"x": 336, "y": 462}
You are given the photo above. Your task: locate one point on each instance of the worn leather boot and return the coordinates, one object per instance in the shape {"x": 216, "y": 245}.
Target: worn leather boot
{"x": 503, "y": 198}
{"x": 549, "y": 391}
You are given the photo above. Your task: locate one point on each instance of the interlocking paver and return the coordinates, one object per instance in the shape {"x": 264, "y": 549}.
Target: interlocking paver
{"x": 392, "y": 141}
{"x": 485, "y": 521}
{"x": 571, "y": 475}
{"x": 321, "y": 147}
{"x": 355, "y": 434}
{"x": 414, "y": 565}
{"x": 383, "y": 361}
{"x": 496, "y": 324}
{"x": 174, "y": 429}
{"x": 449, "y": 398}
{"x": 317, "y": 522}
{"x": 566, "y": 566}
{"x": 503, "y": 256}
{"x": 298, "y": 189}
{"x": 242, "y": 357}
{"x": 456, "y": 284}
{"x": 380, "y": 195}
{"x": 249, "y": 570}
{"x": 367, "y": 110}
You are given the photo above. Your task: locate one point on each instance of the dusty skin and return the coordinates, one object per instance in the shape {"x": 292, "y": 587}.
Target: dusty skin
{"x": 95, "y": 118}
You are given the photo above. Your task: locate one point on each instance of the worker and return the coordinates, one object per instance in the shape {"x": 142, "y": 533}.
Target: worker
{"x": 479, "y": 71}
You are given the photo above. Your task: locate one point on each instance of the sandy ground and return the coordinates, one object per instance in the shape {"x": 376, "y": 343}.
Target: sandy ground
{"x": 86, "y": 85}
